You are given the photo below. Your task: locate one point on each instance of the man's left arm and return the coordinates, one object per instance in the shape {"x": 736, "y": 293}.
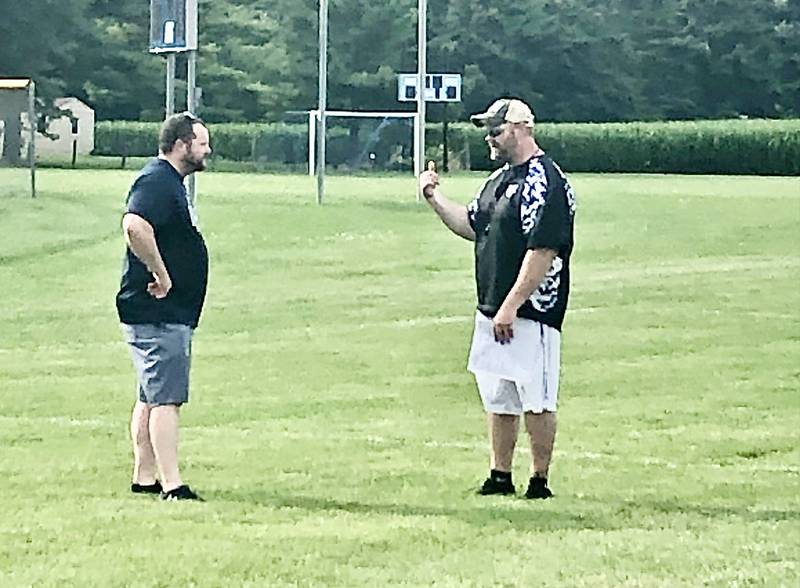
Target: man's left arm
{"x": 535, "y": 264}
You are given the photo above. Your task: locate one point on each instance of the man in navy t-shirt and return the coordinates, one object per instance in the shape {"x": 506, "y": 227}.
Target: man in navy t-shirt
{"x": 163, "y": 286}
{"x": 521, "y": 222}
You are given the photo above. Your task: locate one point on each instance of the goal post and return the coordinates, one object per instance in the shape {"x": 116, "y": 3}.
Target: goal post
{"x": 313, "y": 121}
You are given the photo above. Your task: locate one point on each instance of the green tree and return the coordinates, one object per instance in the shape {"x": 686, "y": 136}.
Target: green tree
{"x": 116, "y": 74}
{"x": 751, "y": 62}
{"x": 572, "y": 59}
{"x": 42, "y": 40}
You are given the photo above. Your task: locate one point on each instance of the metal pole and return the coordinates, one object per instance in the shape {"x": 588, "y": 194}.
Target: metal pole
{"x": 170, "y": 106}
{"x": 191, "y": 81}
{"x": 419, "y": 156}
{"x": 445, "y": 146}
{"x": 32, "y": 140}
{"x": 312, "y": 143}
{"x": 191, "y": 106}
{"x": 323, "y": 98}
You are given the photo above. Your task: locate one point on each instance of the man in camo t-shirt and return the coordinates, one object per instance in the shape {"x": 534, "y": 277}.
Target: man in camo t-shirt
{"x": 521, "y": 222}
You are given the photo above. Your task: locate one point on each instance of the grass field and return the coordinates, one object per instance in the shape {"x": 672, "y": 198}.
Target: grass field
{"x": 334, "y": 430}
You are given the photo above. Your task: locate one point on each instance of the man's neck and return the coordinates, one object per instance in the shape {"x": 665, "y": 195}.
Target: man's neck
{"x": 174, "y": 162}
{"x": 527, "y": 150}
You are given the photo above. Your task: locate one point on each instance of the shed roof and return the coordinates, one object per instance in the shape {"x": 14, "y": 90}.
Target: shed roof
{"x": 14, "y": 83}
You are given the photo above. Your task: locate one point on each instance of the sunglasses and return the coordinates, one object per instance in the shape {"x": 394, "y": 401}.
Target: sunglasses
{"x": 495, "y": 131}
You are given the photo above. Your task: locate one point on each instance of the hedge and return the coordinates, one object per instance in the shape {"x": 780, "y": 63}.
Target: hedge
{"x": 267, "y": 145}
{"x": 765, "y": 147}
{"x": 283, "y": 143}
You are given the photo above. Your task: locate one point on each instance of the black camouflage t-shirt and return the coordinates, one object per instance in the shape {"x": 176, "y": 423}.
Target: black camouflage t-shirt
{"x": 522, "y": 207}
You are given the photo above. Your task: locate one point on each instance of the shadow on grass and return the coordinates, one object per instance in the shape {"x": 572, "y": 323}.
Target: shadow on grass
{"x": 521, "y": 514}
{"x": 525, "y": 515}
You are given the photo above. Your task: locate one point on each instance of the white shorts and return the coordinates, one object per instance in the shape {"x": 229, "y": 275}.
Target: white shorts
{"x": 537, "y": 390}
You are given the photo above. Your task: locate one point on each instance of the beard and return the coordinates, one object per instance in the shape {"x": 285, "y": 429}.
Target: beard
{"x": 193, "y": 164}
{"x": 496, "y": 154}
{"x": 503, "y": 151}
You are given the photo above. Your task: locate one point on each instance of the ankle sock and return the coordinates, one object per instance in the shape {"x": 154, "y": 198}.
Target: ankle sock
{"x": 502, "y": 477}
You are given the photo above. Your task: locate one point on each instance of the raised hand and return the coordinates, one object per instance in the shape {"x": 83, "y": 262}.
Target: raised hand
{"x": 429, "y": 180}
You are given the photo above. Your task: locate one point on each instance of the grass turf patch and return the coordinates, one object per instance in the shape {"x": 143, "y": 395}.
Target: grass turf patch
{"x": 334, "y": 430}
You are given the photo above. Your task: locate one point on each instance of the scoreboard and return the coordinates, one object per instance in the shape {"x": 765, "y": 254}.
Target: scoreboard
{"x": 173, "y": 26}
{"x": 438, "y": 87}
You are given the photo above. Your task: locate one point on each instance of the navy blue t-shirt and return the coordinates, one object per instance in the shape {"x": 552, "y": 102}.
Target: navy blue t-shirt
{"x": 159, "y": 197}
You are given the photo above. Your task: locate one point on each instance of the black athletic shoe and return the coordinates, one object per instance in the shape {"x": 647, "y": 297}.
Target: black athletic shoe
{"x": 180, "y": 493}
{"x": 537, "y": 489}
{"x": 147, "y": 488}
{"x": 495, "y": 485}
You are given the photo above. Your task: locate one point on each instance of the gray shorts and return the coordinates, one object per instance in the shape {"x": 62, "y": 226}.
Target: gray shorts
{"x": 162, "y": 356}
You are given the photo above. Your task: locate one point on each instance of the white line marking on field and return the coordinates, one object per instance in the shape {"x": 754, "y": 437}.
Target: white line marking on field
{"x": 448, "y": 320}
{"x": 62, "y": 421}
{"x": 698, "y": 266}
{"x": 432, "y": 320}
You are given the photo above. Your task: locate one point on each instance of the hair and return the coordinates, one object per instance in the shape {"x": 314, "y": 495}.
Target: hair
{"x": 178, "y": 126}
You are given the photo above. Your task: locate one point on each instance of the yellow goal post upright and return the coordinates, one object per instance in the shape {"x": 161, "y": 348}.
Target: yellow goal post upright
{"x": 18, "y": 125}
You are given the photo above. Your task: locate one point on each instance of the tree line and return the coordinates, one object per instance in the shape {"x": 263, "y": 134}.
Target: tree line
{"x": 573, "y": 60}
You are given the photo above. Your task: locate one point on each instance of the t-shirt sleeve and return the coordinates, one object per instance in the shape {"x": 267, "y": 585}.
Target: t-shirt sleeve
{"x": 149, "y": 200}
{"x": 473, "y": 208}
{"x": 472, "y": 211}
{"x": 551, "y": 226}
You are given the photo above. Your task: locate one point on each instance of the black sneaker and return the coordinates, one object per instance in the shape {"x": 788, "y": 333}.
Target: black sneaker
{"x": 537, "y": 489}
{"x": 147, "y": 488}
{"x": 180, "y": 493}
{"x": 495, "y": 485}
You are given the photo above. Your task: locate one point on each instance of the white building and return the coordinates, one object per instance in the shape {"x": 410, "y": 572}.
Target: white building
{"x": 80, "y": 128}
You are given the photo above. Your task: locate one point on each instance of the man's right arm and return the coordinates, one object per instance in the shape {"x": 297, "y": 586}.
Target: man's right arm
{"x": 141, "y": 239}
{"x": 455, "y": 216}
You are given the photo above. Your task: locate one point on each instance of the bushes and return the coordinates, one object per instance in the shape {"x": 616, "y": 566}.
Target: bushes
{"x": 766, "y": 147}
{"x": 282, "y": 143}
{"x": 267, "y": 145}
{"x": 125, "y": 138}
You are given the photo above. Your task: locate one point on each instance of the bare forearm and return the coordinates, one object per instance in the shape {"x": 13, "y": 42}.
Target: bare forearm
{"x": 535, "y": 265}
{"x": 141, "y": 240}
{"x": 453, "y": 215}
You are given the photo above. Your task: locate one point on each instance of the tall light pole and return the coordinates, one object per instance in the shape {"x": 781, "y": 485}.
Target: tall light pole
{"x": 419, "y": 156}
{"x": 169, "y": 108}
{"x": 191, "y": 106}
{"x": 323, "y": 98}
{"x": 173, "y": 29}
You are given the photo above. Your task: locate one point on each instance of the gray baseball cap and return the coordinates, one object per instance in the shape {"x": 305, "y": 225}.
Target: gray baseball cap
{"x": 503, "y": 110}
